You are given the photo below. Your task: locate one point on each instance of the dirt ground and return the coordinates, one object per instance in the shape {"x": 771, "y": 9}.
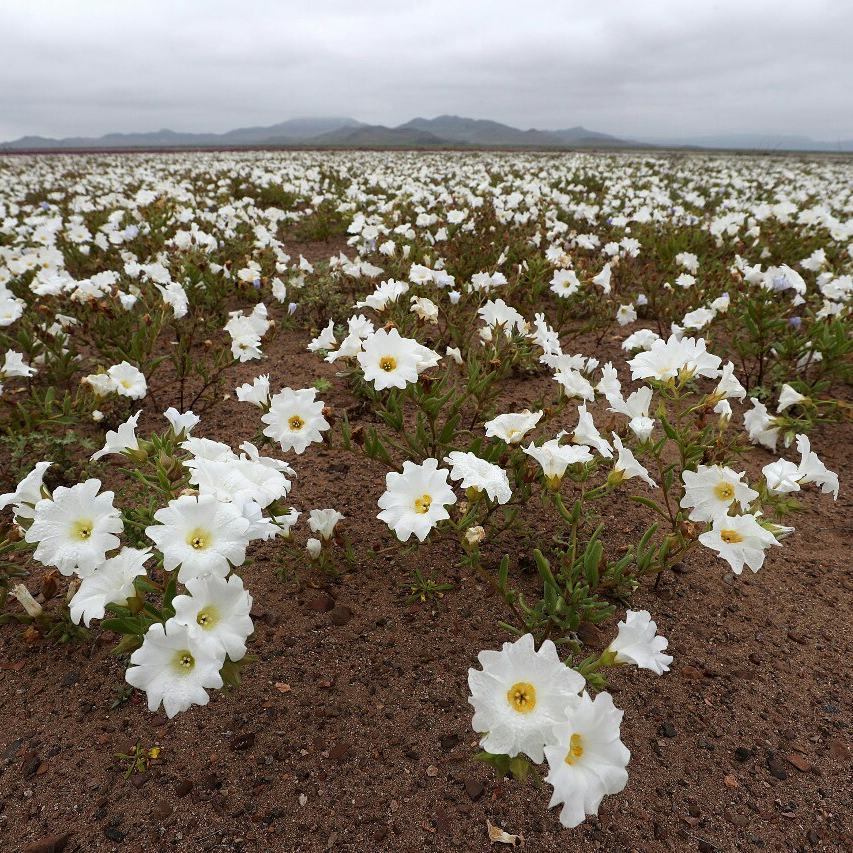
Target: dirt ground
{"x": 352, "y": 731}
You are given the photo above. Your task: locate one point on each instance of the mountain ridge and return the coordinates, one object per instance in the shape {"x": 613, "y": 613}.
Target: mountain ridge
{"x": 443, "y": 131}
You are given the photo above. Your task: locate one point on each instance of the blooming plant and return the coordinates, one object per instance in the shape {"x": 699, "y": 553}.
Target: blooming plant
{"x": 521, "y": 347}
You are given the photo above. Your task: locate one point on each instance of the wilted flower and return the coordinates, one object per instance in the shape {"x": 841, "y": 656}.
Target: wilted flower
{"x": 124, "y": 438}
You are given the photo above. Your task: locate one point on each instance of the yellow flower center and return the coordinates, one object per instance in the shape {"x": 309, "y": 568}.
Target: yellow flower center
{"x": 724, "y": 491}
{"x": 731, "y": 536}
{"x": 125, "y": 383}
{"x": 295, "y": 423}
{"x": 422, "y": 504}
{"x": 198, "y": 539}
{"x": 388, "y": 363}
{"x": 82, "y": 529}
{"x": 575, "y": 749}
{"x": 207, "y": 618}
{"x": 522, "y": 697}
{"x": 184, "y": 661}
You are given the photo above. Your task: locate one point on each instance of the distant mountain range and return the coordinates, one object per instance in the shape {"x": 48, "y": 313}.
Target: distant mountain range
{"x": 442, "y": 132}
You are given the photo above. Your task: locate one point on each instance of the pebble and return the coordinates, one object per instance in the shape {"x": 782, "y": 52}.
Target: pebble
{"x": 474, "y": 789}
{"x": 340, "y": 615}
{"x": 667, "y": 729}
{"x": 51, "y": 844}
{"x": 183, "y": 787}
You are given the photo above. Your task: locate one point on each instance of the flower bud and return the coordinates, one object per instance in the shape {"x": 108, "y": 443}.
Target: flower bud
{"x": 475, "y": 535}
{"x": 313, "y": 546}
{"x": 26, "y": 600}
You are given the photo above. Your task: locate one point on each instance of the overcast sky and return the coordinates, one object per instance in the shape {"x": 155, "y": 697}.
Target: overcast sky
{"x": 631, "y": 68}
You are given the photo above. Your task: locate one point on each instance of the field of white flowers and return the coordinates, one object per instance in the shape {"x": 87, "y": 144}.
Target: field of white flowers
{"x": 505, "y": 403}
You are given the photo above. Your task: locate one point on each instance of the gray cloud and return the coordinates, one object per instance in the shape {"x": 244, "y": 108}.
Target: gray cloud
{"x": 641, "y": 68}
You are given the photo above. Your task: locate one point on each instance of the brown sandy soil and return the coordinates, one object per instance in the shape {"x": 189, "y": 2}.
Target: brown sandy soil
{"x": 351, "y": 730}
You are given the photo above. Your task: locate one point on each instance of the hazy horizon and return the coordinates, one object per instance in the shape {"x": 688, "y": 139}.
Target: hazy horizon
{"x": 649, "y": 70}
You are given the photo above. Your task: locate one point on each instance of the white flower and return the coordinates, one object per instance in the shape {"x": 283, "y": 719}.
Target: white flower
{"x": 636, "y": 643}
{"x": 586, "y": 433}
{"x": 390, "y": 361}
{"x": 812, "y": 470}
{"x": 75, "y": 528}
{"x": 14, "y": 365}
{"x": 100, "y": 383}
{"x": 27, "y": 493}
{"x": 295, "y": 419}
{"x": 565, "y": 283}
{"x": 256, "y": 392}
{"x": 512, "y": 427}
{"x": 415, "y": 501}
{"x": 675, "y": 358}
{"x": 574, "y": 384}
{"x": 128, "y": 381}
{"x": 324, "y": 521}
{"x": 626, "y": 466}
{"x": 712, "y": 489}
{"x": 181, "y": 422}
{"x": 519, "y": 696}
{"x": 313, "y": 546}
{"x": 454, "y": 353}
{"x": 729, "y": 386}
{"x": 739, "y": 539}
{"x": 586, "y": 758}
{"x": 475, "y": 535}
{"x": 325, "y": 340}
{"x": 477, "y": 473}
{"x": 216, "y": 613}
{"x": 626, "y": 314}
{"x": 760, "y": 427}
{"x": 782, "y": 477}
{"x": 124, "y": 438}
{"x": 110, "y": 583}
{"x": 555, "y": 458}
{"x": 787, "y": 398}
{"x": 201, "y": 535}
{"x": 425, "y": 309}
{"x": 641, "y": 339}
{"x": 174, "y": 668}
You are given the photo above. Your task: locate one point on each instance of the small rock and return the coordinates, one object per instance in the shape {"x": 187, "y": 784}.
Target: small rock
{"x": 776, "y": 767}
{"x": 449, "y": 741}
{"x": 474, "y": 789}
{"x": 432, "y": 771}
{"x": 183, "y": 787}
{"x": 114, "y": 834}
{"x": 242, "y": 742}
{"x": 323, "y": 603}
{"x": 340, "y": 615}
{"x": 162, "y": 809}
{"x": 838, "y": 750}
{"x": 71, "y": 679}
{"x": 667, "y": 729}
{"x": 743, "y": 754}
{"x": 706, "y": 846}
{"x": 52, "y": 844}
{"x": 801, "y": 763}
{"x": 691, "y": 673}
{"x": 340, "y": 751}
